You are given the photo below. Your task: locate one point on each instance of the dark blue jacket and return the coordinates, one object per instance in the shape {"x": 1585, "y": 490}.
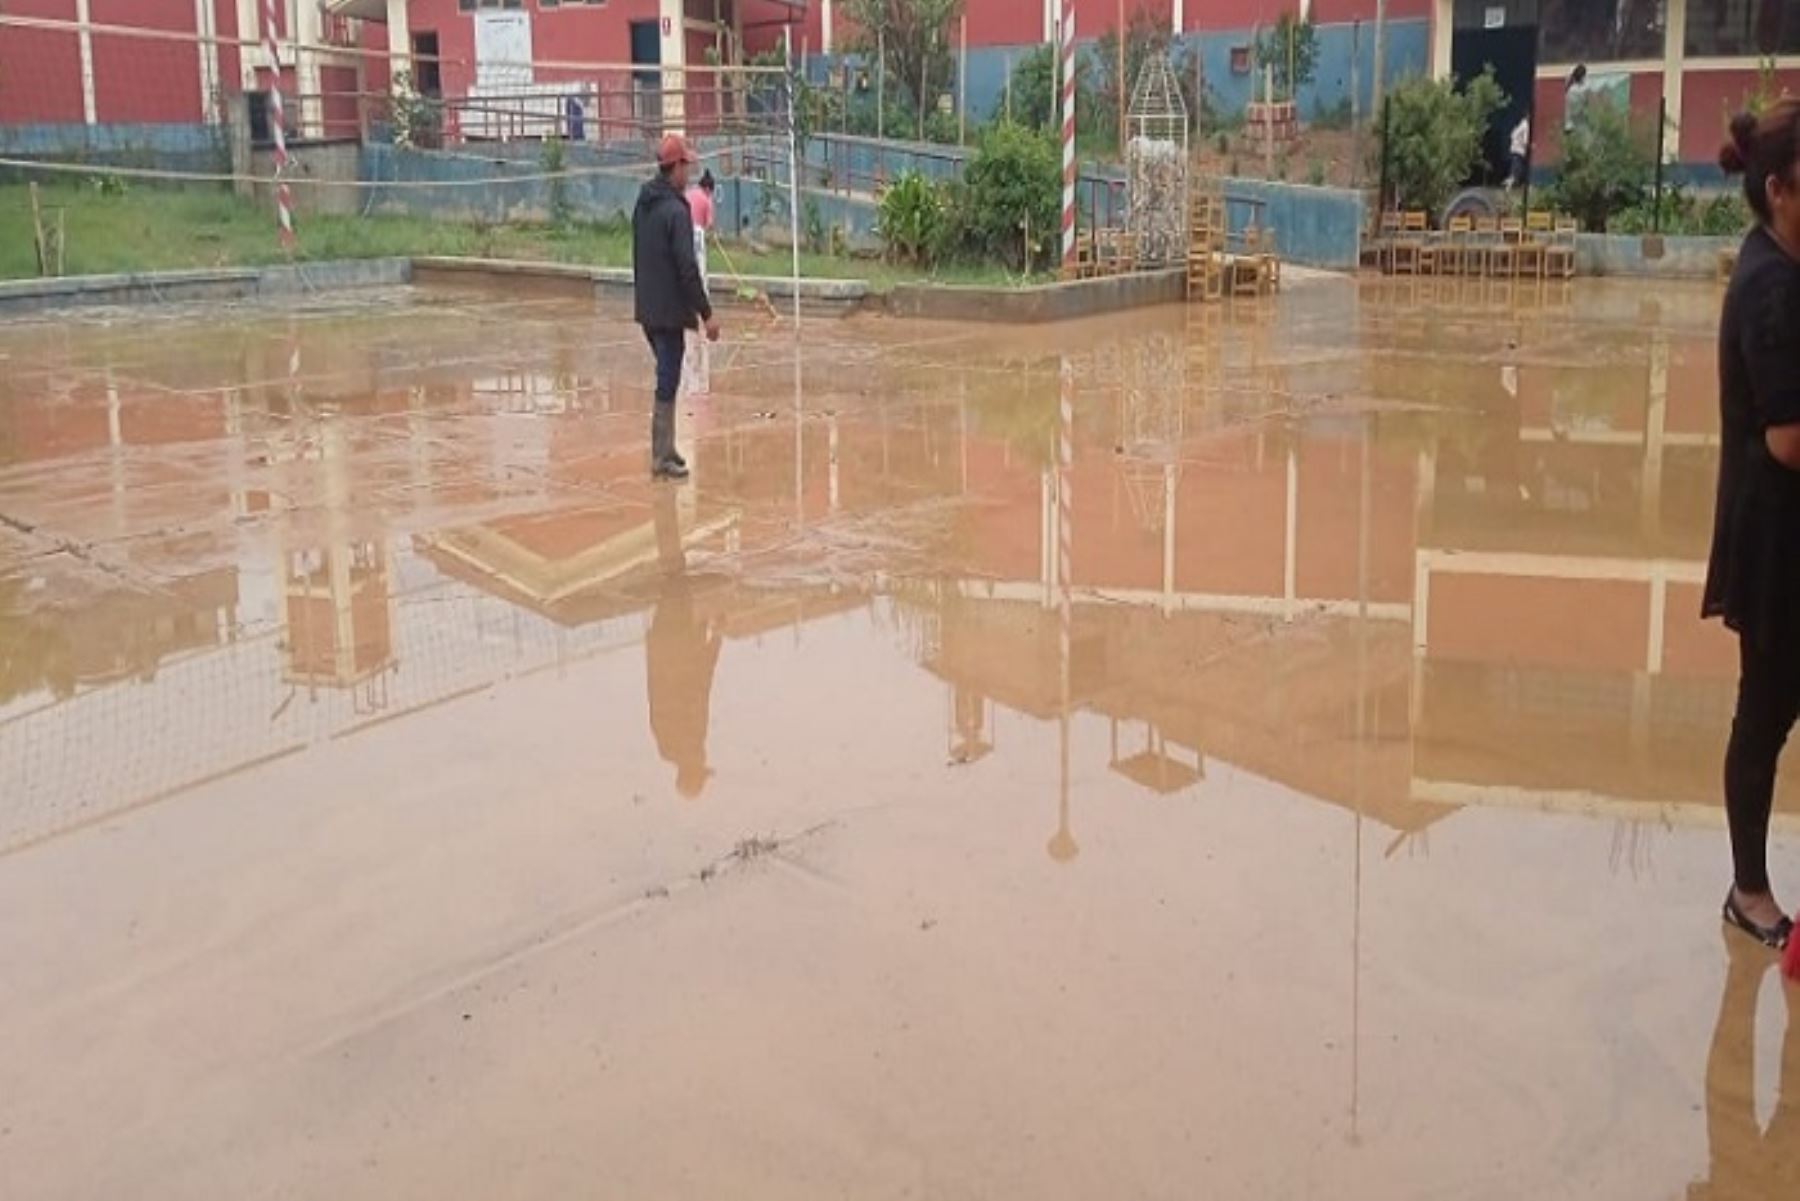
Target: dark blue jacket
{"x": 664, "y": 271}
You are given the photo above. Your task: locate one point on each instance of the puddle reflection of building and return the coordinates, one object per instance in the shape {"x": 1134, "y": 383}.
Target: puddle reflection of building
{"x": 1559, "y": 657}
{"x": 1748, "y": 1159}
{"x": 337, "y": 598}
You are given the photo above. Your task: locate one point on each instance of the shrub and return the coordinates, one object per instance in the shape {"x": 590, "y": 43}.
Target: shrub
{"x": 1607, "y": 166}
{"x": 1011, "y": 188}
{"x": 1336, "y": 116}
{"x": 1433, "y": 137}
{"x": 912, "y": 218}
{"x": 1315, "y": 172}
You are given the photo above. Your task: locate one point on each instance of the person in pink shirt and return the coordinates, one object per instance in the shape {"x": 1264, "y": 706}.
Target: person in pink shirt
{"x": 700, "y": 204}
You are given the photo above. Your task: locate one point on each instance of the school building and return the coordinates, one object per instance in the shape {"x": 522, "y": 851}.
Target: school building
{"x": 1700, "y": 57}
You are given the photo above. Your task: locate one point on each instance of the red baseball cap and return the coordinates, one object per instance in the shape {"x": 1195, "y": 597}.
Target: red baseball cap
{"x": 674, "y": 149}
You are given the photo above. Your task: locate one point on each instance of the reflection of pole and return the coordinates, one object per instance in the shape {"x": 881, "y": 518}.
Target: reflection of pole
{"x": 1062, "y": 845}
{"x": 1362, "y": 684}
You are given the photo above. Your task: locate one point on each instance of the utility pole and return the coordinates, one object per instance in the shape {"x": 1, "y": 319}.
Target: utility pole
{"x": 1123, "y": 85}
{"x": 1379, "y": 83}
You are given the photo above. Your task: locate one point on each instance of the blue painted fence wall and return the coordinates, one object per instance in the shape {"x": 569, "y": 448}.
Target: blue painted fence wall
{"x": 1408, "y": 51}
{"x": 196, "y": 148}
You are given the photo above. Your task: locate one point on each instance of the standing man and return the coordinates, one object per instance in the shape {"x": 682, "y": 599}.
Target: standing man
{"x": 671, "y": 296}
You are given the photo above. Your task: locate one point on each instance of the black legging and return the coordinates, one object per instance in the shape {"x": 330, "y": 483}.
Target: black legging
{"x": 1767, "y": 704}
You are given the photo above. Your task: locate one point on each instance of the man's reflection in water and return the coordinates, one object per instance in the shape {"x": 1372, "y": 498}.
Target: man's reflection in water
{"x": 680, "y": 654}
{"x": 1750, "y": 1162}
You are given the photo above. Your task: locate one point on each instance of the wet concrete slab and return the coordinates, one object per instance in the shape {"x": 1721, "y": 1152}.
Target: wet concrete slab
{"x": 402, "y": 796}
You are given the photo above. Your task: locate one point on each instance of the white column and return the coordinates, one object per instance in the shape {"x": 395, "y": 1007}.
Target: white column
{"x": 86, "y": 40}
{"x": 1177, "y": 17}
{"x": 674, "y": 60}
{"x": 399, "y": 41}
{"x": 249, "y": 32}
{"x": 1674, "y": 55}
{"x": 1443, "y": 24}
{"x": 306, "y": 33}
{"x": 825, "y": 26}
{"x": 207, "y": 54}
{"x": 1305, "y": 10}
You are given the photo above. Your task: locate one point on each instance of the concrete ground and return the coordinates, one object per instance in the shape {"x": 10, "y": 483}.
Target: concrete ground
{"x": 400, "y": 796}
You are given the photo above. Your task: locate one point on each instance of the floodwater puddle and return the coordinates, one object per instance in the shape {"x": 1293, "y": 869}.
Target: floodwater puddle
{"x": 1306, "y": 787}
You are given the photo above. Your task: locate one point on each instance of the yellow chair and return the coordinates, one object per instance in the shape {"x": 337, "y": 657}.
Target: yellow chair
{"x": 1409, "y": 248}
{"x": 1388, "y": 234}
{"x": 1452, "y": 254}
{"x": 1559, "y": 255}
{"x": 1503, "y": 255}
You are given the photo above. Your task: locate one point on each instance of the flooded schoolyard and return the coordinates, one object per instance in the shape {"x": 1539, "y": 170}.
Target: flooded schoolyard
{"x": 401, "y": 796}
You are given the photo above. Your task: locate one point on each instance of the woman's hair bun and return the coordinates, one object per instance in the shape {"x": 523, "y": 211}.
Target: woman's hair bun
{"x": 1734, "y": 156}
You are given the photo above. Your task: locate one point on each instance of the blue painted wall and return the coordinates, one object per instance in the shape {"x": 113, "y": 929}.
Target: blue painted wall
{"x": 743, "y": 204}
{"x": 199, "y": 148}
{"x": 1409, "y": 46}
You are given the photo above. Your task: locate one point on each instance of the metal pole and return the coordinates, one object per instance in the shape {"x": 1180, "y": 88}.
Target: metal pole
{"x": 1356, "y": 101}
{"x": 794, "y": 194}
{"x": 962, "y": 83}
{"x": 1387, "y": 114}
{"x": 1662, "y": 125}
{"x": 1379, "y": 84}
{"x": 1122, "y": 84}
{"x": 880, "y": 82}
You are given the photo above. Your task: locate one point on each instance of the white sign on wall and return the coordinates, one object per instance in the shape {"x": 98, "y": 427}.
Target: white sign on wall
{"x": 1494, "y": 17}
{"x": 502, "y": 47}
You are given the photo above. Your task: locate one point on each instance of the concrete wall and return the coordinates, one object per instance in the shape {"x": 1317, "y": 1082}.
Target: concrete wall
{"x": 27, "y": 296}
{"x": 1048, "y": 302}
{"x": 477, "y": 187}
{"x": 338, "y": 164}
{"x": 1651, "y": 257}
{"x": 1317, "y": 227}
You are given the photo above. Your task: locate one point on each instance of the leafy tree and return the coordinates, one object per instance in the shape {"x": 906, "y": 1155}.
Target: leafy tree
{"x": 1608, "y": 164}
{"x": 1434, "y": 135}
{"x": 1272, "y": 51}
{"x": 915, "y": 42}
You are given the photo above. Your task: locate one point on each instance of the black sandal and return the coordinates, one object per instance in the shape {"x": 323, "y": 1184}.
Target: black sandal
{"x": 1775, "y": 936}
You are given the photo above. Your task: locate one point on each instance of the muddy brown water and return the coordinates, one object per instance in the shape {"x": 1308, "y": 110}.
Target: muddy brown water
{"x": 402, "y": 797}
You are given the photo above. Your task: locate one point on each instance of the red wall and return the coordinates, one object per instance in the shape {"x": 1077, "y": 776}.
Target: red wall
{"x": 141, "y": 79}
{"x": 1547, "y": 111}
{"x": 1708, "y": 101}
{"x": 1342, "y": 12}
{"x": 41, "y": 68}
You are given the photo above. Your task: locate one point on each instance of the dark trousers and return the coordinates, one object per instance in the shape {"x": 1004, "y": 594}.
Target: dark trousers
{"x": 1767, "y": 704}
{"x": 669, "y": 346}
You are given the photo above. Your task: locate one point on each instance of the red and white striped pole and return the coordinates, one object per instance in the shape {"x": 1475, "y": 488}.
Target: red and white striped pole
{"x": 284, "y": 201}
{"x": 1068, "y": 135}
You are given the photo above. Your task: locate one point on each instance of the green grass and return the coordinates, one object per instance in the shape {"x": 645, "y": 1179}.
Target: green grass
{"x": 150, "y": 229}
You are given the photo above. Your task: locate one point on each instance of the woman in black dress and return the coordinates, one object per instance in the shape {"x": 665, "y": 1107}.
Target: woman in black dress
{"x": 1753, "y": 578}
